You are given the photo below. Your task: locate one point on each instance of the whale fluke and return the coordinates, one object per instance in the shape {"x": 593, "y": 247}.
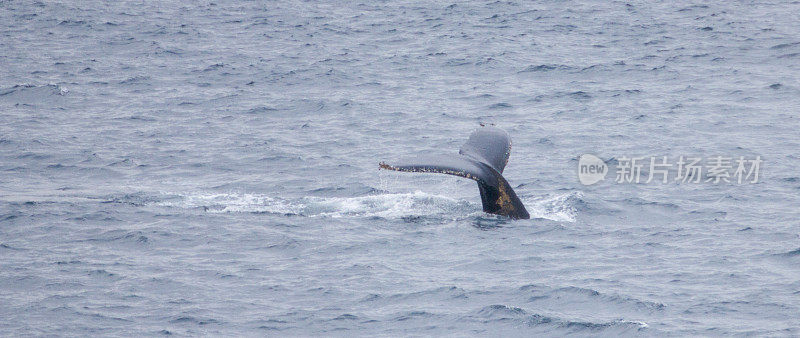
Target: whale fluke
{"x": 482, "y": 159}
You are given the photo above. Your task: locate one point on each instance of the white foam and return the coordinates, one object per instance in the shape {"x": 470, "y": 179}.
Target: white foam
{"x": 417, "y": 203}
{"x": 559, "y": 207}
{"x": 232, "y": 202}
{"x": 392, "y": 205}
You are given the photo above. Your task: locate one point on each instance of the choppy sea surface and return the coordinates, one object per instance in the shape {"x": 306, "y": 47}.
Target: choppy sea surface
{"x": 211, "y": 167}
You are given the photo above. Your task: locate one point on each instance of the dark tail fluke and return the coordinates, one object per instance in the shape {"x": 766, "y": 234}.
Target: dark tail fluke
{"x": 482, "y": 159}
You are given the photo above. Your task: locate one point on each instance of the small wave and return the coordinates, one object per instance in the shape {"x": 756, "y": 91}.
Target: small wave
{"x": 636, "y": 201}
{"x": 790, "y": 254}
{"x": 580, "y": 95}
{"x": 504, "y": 313}
{"x": 544, "y": 68}
{"x": 500, "y": 312}
{"x": 133, "y": 237}
{"x": 139, "y": 79}
{"x": 581, "y": 326}
{"x": 785, "y": 45}
{"x": 194, "y": 320}
{"x": 443, "y": 292}
{"x": 135, "y": 199}
{"x": 346, "y": 316}
{"x": 500, "y": 105}
{"x": 214, "y": 67}
{"x": 73, "y": 23}
{"x": 412, "y": 315}
{"x": 569, "y": 292}
{"x": 9, "y": 247}
{"x": 32, "y": 94}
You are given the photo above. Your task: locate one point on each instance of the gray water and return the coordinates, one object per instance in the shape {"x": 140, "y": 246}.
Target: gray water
{"x": 211, "y": 168}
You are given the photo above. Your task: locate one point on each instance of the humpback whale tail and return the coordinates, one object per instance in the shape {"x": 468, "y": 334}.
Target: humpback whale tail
{"x": 482, "y": 159}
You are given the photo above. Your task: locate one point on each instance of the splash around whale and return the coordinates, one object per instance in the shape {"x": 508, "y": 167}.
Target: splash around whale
{"x": 482, "y": 159}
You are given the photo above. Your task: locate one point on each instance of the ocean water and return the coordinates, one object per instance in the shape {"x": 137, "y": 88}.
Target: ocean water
{"x": 211, "y": 168}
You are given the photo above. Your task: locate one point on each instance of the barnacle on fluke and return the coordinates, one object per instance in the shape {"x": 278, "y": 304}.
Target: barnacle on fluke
{"x": 482, "y": 159}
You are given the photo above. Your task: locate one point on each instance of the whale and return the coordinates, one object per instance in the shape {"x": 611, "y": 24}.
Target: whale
{"x": 482, "y": 158}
